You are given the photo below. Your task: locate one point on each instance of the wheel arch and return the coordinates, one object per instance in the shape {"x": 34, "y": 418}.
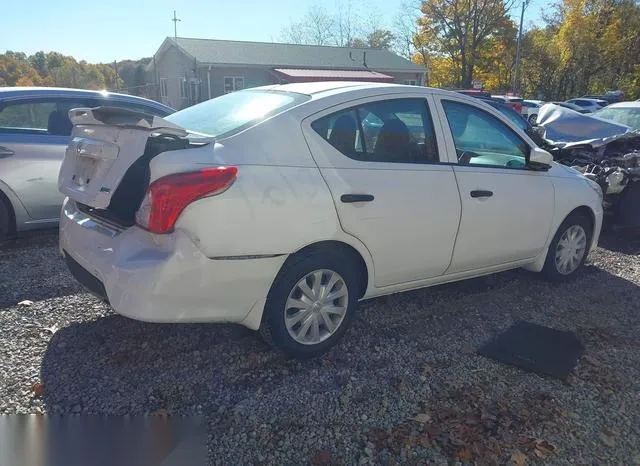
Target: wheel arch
{"x": 11, "y": 210}
{"x": 349, "y": 251}
{"x": 584, "y": 210}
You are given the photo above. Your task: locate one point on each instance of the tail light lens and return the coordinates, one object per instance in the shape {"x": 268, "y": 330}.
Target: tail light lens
{"x": 168, "y": 196}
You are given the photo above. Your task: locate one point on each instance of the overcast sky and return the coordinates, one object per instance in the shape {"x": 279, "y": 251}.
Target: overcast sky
{"x": 119, "y": 29}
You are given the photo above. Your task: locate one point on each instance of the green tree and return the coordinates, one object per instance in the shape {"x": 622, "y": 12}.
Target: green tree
{"x": 461, "y": 28}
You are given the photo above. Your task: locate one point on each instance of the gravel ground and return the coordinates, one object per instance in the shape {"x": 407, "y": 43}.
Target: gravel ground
{"x": 405, "y": 386}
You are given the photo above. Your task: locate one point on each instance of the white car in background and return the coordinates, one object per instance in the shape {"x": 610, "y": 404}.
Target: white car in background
{"x": 280, "y": 207}
{"x": 588, "y": 105}
{"x": 530, "y": 109}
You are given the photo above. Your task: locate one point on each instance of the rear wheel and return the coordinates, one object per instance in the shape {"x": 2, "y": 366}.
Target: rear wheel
{"x": 568, "y": 249}
{"x": 311, "y": 304}
{"x": 533, "y": 118}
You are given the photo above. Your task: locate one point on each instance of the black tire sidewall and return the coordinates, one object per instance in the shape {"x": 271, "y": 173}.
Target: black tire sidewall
{"x": 550, "y": 268}
{"x": 290, "y": 274}
{"x": 5, "y": 221}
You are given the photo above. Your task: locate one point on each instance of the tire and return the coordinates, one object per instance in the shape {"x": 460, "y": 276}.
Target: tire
{"x": 553, "y": 269}
{"x": 332, "y": 269}
{"x": 6, "y": 227}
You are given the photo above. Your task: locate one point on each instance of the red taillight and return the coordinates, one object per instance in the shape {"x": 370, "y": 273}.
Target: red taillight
{"x": 167, "y": 197}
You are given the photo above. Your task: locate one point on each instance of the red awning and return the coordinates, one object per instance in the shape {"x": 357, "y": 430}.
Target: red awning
{"x": 298, "y": 75}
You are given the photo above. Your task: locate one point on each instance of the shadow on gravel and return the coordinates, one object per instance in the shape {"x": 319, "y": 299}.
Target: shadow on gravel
{"x": 620, "y": 240}
{"x": 117, "y": 365}
{"x": 31, "y": 269}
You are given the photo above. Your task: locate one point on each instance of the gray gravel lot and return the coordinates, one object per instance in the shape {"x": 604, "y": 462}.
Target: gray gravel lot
{"x": 407, "y": 355}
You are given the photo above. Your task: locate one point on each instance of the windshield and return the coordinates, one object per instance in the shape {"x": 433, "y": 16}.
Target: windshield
{"x": 627, "y": 116}
{"x": 231, "y": 113}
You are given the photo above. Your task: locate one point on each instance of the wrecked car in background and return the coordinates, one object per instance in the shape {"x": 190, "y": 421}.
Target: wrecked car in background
{"x": 604, "y": 151}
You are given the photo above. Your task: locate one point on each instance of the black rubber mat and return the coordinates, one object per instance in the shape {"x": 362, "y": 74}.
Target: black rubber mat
{"x": 535, "y": 348}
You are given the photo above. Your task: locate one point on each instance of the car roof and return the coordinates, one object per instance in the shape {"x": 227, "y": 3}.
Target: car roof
{"x": 9, "y": 93}
{"x": 630, "y": 104}
{"x": 588, "y": 99}
{"x": 328, "y": 88}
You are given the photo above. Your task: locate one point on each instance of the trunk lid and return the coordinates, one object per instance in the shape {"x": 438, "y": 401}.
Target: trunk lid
{"x": 105, "y": 142}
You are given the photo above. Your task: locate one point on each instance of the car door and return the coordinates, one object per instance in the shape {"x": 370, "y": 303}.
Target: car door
{"x": 34, "y": 133}
{"x": 507, "y": 209}
{"x": 381, "y": 162}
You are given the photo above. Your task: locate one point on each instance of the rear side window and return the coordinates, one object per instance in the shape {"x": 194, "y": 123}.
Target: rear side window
{"x": 38, "y": 116}
{"x": 394, "y": 131}
{"x": 233, "y": 112}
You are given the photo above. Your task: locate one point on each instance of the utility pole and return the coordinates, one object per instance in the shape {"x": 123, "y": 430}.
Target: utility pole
{"x": 175, "y": 25}
{"x": 516, "y": 85}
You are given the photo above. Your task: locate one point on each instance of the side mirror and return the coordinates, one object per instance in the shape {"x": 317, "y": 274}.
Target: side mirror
{"x": 540, "y": 159}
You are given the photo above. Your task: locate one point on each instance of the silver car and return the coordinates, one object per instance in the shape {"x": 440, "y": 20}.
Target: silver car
{"x": 34, "y": 132}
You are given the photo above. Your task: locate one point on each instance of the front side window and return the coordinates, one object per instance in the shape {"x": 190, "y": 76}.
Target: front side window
{"x": 39, "y": 116}
{"x": 396, "y": 131}
{"x": 482, "y": 139}
{"x": 233, "y": 83}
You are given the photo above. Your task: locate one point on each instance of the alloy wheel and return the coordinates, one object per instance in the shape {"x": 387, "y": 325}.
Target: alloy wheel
{"x": 316, "y": 306}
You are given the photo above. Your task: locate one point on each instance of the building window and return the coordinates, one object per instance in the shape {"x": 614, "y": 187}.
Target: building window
{"x": 183, "y": 88}
{"x": 233, "y": 83}
{"x": 409, "y": 82}
{"x": 163, "y": 87}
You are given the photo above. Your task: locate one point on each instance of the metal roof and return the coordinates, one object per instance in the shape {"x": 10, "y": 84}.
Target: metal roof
{"x": 333, "y": 75}
{"x": 229, "y": 52}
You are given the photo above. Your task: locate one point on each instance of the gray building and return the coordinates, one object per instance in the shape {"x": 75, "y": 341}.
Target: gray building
{"x": 188, "y": 71}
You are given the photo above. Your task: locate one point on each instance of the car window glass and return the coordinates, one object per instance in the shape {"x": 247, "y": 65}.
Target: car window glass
{"x": 626, "y": 116}
{"x": 26, "y": 115}
{"x": 482, "y": 139}
{"x": 39, "y": 116}
{"x": 399, "y": 131}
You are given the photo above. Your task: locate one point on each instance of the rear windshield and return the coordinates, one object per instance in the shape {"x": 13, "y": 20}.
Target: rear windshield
{"x": 231, "y": 113}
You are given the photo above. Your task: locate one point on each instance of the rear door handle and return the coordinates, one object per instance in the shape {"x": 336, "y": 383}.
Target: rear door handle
{"x": 5, "y": 152}
{"x": 481, "y": 193}
{"x": 349, "y": 198}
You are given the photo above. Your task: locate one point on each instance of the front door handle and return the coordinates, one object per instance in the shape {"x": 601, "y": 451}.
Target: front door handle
{"x": 5, "y": 152}
{"x": 481, "y": 193}
{"x": 349, "y": 198}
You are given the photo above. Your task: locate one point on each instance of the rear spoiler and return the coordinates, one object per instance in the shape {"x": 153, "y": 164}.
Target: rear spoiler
{"x": 124, "y": 118}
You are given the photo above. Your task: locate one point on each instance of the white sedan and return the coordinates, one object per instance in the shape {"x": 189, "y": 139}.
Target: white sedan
{"x": 588, "y": 105}
{"x": 281, "y": 207}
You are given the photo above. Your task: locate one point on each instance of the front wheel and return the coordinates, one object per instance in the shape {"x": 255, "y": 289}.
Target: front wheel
{"x": 311, "y": 304}
{"x": 568, "y": 249}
